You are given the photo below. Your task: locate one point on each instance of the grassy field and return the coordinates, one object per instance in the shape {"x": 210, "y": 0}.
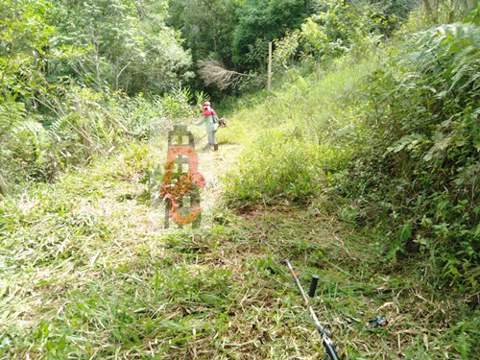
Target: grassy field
{"x": 360, "y": 166}
{"x": 89, "y": 273}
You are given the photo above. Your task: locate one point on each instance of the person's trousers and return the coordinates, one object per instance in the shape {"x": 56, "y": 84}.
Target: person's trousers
{"x": 211, "y": 138}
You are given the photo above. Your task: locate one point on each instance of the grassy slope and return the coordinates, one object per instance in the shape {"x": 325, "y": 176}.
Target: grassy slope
{"x": 87, "y": 271}
{"x": 292, "y": 136}
{"x": 315, "y": 109}
{"x": 90, "y": 284}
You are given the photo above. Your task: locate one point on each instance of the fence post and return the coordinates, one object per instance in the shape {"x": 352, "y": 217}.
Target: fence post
{"x": 270, "y": 53}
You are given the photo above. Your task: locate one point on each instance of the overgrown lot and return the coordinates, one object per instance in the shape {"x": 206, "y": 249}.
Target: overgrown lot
{"x": 88, "y": 273}
{"x": 394, "y": 142}
{"x": 360, "y": 166}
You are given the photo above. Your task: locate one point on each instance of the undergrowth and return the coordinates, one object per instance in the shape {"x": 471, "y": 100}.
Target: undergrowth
{"x": 388, "y": 146}
{"x": 418, "y": 169}
{"x": 394, "y": 142}
{"x": 388, "y": 141}
{"x": 86, "y": 124}
{"x": 88, "y": 272}
{"x": 297, "y": 136}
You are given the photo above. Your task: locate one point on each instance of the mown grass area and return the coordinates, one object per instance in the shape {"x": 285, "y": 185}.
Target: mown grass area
{"x": 60, "y": 241}
{"x": 89, "y": 273}
{"x": 79, "y": 283}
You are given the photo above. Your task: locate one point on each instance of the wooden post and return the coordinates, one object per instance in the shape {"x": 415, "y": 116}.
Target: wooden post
{"x": 3, "y": 186}
{"x": 270, "y": 51}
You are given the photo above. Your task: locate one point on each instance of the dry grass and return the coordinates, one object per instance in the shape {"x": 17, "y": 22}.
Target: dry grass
{"x": 217, "y": 294}
{"x": 88, "y": 273}
{"x": 214, "y": 72}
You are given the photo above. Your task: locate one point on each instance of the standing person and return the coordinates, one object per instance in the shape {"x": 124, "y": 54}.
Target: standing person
{"x": 210, "y": 120}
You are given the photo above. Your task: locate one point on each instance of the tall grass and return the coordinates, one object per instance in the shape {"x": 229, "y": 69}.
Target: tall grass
{"x": 397, "y": 139}
{"x": 298, "y": 135}
{"x": 37, "y": 146}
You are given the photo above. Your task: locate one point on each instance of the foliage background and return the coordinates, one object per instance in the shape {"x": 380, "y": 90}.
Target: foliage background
{"x": 390, "y": 134}
{"x": 78, "y": 78}
{"x": 373, "y": 121}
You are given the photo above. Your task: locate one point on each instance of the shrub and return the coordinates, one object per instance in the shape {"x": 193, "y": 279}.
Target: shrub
{"x": 420, "y": 165}
{"x": 274, "y": 17}
{"x": 87, "y": 123}
{"x": 336, "y": 28}
{"x": 279, "y": 166}
{"x": 310, "y": 134}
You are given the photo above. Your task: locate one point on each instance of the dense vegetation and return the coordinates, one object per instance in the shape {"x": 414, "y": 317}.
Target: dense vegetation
{"x": 399, "y": 136}
{"x": 388, "y": 139}
{"x": 419, "y": 166}
{"x": 67, "y": 68}
{"x": 362, "y": 164}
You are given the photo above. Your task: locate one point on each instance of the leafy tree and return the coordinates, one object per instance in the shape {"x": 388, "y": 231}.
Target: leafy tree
{"x": 206, "y": 25}
{"x": 263, "y": 21}
{"x": 337, "y": 27}
{"x": 24, "y": 49}
{"x": 60, "y": 61}
{"x": 447, "y": 10}
{"x": 127, "y": 44}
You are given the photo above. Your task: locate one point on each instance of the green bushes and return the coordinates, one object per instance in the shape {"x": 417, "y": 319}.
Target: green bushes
{"x": 279, "y": 166}
{"x": 122, "y": 44}
{"x": 274, "y": 17}
{"x": 206, "y": 26}
{"x": 337, "y": 28}
{"x": 298, "y": 136}
{"x": 66, "y": 68}
{"x": 87, "y": 124}
{"x": 228, "y": 30}
{"x": 399, "y": 141}
{"x": 44, "y": 45}
{"x": 420, "y": 166}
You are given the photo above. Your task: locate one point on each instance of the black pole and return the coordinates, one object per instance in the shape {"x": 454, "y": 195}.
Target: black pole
{"x": 313, "y": 286}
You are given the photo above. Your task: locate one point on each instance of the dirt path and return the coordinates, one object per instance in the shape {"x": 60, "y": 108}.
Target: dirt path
{"x": 212, "y": 165}
{"x": 144, "y": 220}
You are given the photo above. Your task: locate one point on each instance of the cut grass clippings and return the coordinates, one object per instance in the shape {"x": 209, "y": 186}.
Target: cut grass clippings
{"x": 87, "y": 275}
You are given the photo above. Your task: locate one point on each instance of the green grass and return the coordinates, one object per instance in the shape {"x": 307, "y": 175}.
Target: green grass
{"x": 296, "y": 136}
{"x": 86, "y": 274}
